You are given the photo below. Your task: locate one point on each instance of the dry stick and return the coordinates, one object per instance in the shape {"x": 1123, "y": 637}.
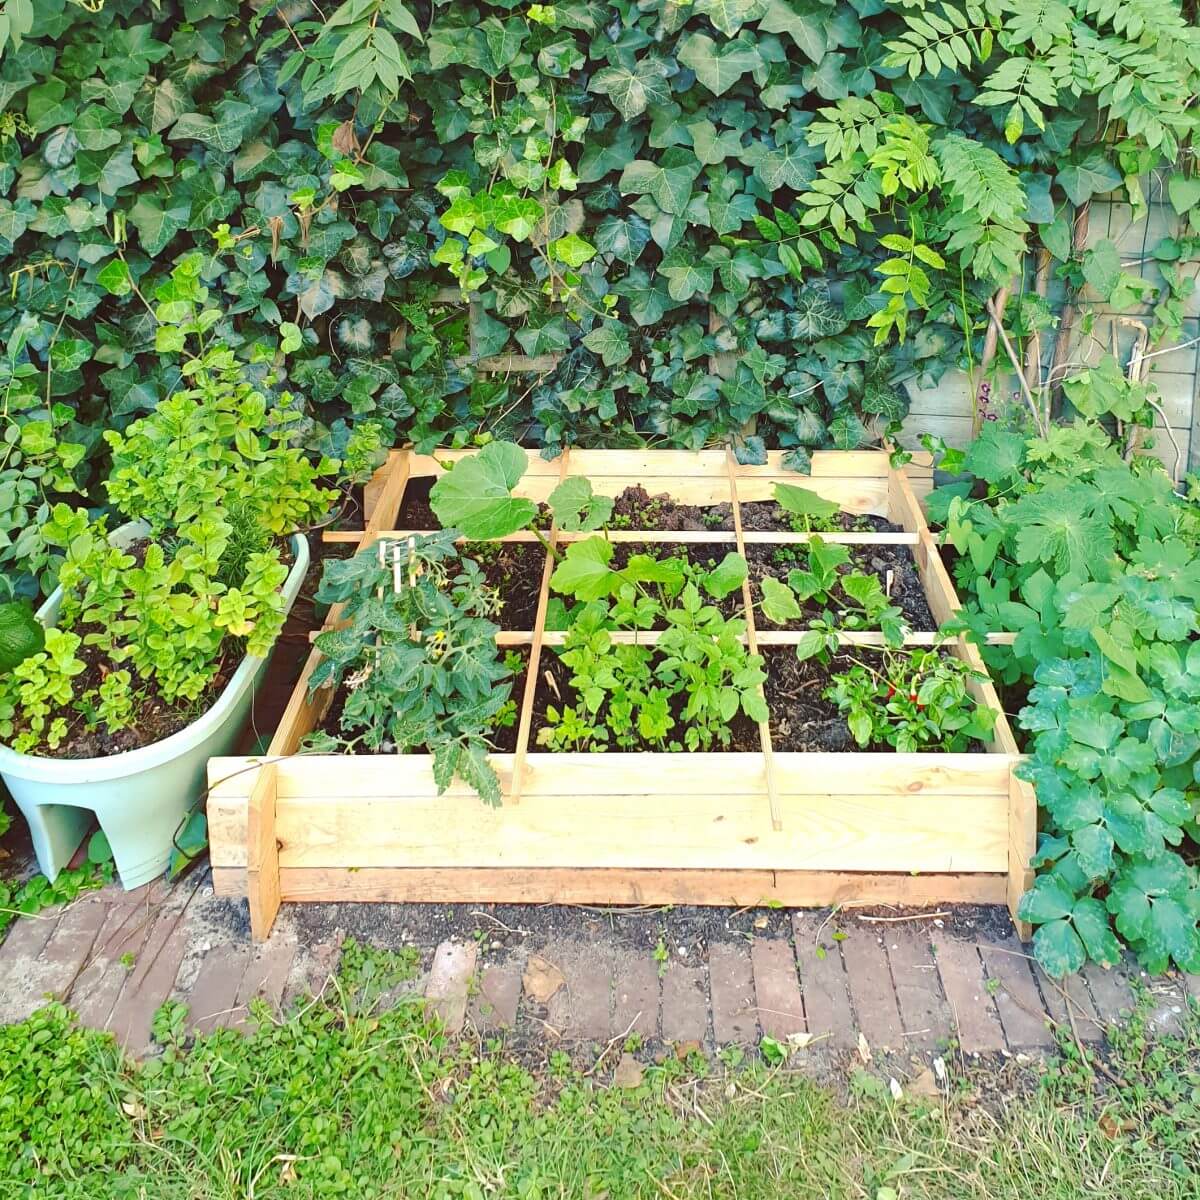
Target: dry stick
{"x": 764, "y": 727}
{"x": 1066, "y": 320}
{"x": 908, "y": 917}
{"x": 1033, "y": 351}
{"x": 1016, "y": 365}
{"x": 611, "y": 1042}
{"x": 989, "y": 352}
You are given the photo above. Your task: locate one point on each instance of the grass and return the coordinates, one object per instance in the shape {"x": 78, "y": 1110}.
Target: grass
{"x": 345, "y": 1098}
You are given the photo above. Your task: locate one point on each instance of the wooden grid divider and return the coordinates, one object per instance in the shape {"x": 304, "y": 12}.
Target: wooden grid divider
{"x": 693, "y": 536}
{"x": 535, "y": 653}
{"x": 764, "y": 727}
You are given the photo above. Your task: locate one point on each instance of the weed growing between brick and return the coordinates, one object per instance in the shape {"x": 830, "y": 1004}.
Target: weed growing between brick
{"x": 347, "y": 1098}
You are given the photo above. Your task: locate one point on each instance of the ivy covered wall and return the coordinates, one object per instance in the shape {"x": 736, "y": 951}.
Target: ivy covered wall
{"x": 822, "y": 198}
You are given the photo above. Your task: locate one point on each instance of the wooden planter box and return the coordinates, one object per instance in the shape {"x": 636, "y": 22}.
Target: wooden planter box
{"x": 714, "y": 828}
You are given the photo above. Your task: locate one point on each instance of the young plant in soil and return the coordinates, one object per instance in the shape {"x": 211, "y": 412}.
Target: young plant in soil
{"x": 810, "y": 513}
{"x": 699, "y": 676}
{"x": 911, "y": 700}
{"x": 859, "y": 598}
{"x": 418, "y": 658}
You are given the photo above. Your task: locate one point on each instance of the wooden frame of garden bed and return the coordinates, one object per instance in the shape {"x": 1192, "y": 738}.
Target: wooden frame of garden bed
{"x": 719, "y": 828}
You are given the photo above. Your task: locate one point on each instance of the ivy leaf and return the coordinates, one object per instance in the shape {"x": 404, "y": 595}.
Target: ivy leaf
{"x": 572, "y": 250}
{"x": 728, "y": 15}
{"x": 1091, "y": 176}
{"x": 611, "y": 342}
{"x": 668, "y": 181}
{"x": 476, "y": 497}
{"x": 647, "y": 297}
{"x": 624, "y": 237}
{"x": 633, "y": 89}
{"x": 718, "y": 68}
{"x": 804, "y": 23}
{"x": 155, "y": 224}
{"x": 686, "y": 276}
{"x": 1102, "y": 268}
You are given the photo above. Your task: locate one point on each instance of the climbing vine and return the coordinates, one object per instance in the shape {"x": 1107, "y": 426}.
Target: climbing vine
{"x": 752, "y": 220}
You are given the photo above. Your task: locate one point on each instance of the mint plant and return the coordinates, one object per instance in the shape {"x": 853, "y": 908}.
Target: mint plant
{"x": 1083, "y": 547}
{"x": 418, "y": 661}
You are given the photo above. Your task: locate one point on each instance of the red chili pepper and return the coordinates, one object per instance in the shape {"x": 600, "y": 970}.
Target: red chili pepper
{"x": 891, "y": 693}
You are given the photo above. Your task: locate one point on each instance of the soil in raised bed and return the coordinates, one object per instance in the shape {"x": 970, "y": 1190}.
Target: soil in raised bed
{"x": 504, "y": 739}
{"x": 636, "y": 508}
{"x": 907, "y": 590}
{"x": 560, "y": 693}
{"x": 801, "y": 718}
{"x": 515, "y": 568}
{"x": 766, "y": 516}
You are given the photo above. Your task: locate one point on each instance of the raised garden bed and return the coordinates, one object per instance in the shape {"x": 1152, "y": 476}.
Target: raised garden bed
{"x": 741, "y": 827}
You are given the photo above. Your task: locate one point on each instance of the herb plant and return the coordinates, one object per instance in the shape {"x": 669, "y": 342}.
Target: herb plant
{"x": 417, "y": 655}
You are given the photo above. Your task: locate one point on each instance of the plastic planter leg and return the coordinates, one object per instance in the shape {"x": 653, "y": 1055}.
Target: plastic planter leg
{"x": 57, "y": 830}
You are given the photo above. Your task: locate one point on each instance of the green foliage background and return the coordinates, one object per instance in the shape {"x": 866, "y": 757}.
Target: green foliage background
{"x": 843, "y": 183}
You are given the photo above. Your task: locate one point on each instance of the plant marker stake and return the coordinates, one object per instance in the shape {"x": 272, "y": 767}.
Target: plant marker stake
{"x": 396, "y": 584}
{"x": 887, "y": 587}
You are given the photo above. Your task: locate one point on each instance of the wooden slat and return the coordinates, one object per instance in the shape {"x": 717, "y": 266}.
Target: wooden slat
{"x": 650, "y": 829}
{"x": 764, "y": 727}
{"x": 689, "y": 536}
{"x": 262, "y": 854}
{"x": 512, "y": 364}
{"x": 549, "y": 885}
{"x": 535, "y": 655}
{"x": 734, "y": 774}
{"x": 1022, "y": 832}
{"x": 303, "y": 713}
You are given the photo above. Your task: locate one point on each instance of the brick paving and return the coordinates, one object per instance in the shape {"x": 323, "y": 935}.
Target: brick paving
{"x": 915, "y": 987}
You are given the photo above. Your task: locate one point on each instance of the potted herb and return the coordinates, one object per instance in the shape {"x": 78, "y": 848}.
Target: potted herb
{"x": 154, "y": 641}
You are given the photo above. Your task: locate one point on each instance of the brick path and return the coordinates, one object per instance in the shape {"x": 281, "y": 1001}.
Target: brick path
{"x": 914, "y": 987}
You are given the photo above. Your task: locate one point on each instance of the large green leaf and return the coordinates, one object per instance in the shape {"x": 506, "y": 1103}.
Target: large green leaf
{"x": 717, "y": 67}
{"x": 669, "y": 181}
{"x": 633, "y": 89}
{"x": 476, "y": 495}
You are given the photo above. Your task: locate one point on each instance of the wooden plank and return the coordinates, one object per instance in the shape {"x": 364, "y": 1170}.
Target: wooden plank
{"x": 764, "y": 727}
{"x": 1022, "y": 832}
{"x": 735, "y": 774}
{"x": 375, "y": 485}
{"x": 550, "y": 885}
{"x": 511, "y": 364}
{"x": 262, "y": 854}
{"x": 303, "y": 713}
{"x": 903, "y": 507}
{"x": 781, "y": 637}
{"x": 646, "y": 830}
{"x": 696, "y": 536}
{"x": 535, "y": 655}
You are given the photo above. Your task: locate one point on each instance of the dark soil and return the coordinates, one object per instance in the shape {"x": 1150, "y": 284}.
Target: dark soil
{"x": 504, "y": 739}
{"x": 907, "y": 591}
{"x": 801, "y": 718}
{"x": 743, "y": 731}
{"x": 767, "y": 516}
{"x": 635, "y": 508}
{"x": 515, "y": 568}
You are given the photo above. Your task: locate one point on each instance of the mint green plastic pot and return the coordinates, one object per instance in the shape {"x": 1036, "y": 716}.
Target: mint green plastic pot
{"x": 142, "y": 796}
